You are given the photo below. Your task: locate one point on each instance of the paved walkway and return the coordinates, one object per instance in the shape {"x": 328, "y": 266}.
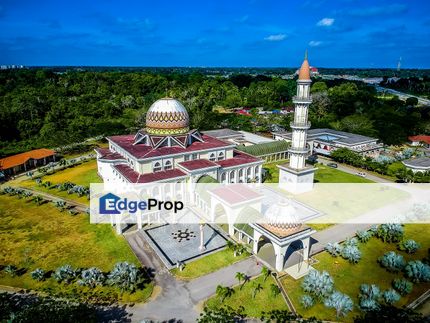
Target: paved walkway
{"x": 180, "y": 299}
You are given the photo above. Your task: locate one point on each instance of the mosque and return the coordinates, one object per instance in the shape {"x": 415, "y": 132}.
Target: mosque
{"x": 167, "y": 151}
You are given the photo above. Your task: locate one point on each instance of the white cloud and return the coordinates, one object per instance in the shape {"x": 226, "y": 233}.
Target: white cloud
{"x": 325, "y": 22}
{"x": 315, "y": 43}
{"x": 277, "y": 37}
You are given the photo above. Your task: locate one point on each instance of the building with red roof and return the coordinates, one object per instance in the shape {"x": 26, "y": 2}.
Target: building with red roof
{"x": 25, "y": 161}
{"x": 420, "y": 140}
{"x": 168, "y": 151}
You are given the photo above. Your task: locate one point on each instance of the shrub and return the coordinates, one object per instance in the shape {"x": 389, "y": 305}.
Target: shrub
{"x": 342, "y": 303}
{"x": 367, "y": 304}
{"x": 390, "y": 296}
{"x": 390, "y": 232}
{"x": 351, "y": 242}
{"x": 91, "y": 277}
{"x": 417, "y": 271}
{"x": 392, "y": 261}
{"x": 125, "y": 276}
{"x": 333, "y": 248}
{"x": 38, "y": 274}
{"x": 402, "y": 285}
{"x": 319, "y": 284}
{"x": 64, "y": 274}
{"x": 307, "y": 301}
{"x": 364, "y": 235}
{"x": 410, "y": 246}
{"x": 369, "y": 296}
{"x": 11, "y": 270}
{"x": 351, "y": 253}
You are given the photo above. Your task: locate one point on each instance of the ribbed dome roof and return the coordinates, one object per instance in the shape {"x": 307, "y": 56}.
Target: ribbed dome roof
{"x": 167, "y": 116}
{"x": 283, "y": 216}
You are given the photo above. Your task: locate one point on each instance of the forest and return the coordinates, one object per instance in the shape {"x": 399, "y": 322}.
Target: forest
{"x": 47, "y": 108}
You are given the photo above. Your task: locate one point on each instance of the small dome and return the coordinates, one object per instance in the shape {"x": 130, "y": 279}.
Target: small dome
{"x": 167, "y": 116}
{"x": 282, "y": 216}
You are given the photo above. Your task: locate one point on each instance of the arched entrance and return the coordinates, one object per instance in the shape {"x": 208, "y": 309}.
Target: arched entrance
{"x": 266, "y": 251}
{"x": 220, "y": 217}
{"x": 294, "y": 254}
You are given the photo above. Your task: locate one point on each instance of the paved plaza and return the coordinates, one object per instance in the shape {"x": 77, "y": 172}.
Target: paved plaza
{"x": 175, "y": 243}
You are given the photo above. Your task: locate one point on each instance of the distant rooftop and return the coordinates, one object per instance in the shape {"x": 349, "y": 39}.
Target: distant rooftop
{"x": 421, "y": 162}
{"x": 223, "y": 133}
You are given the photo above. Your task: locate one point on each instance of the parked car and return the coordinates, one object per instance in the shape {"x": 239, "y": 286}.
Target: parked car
{"x": 362, "y": 174}
{"x": 332, "y": 165}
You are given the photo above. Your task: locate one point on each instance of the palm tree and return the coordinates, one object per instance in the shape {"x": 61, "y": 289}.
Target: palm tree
{"x": 224, "y": 292}
{"x": 266, "y": 272}
{"x": 275, "y": 290}
{"x": 241, "y": 277}
{"x": 257, "y": 288}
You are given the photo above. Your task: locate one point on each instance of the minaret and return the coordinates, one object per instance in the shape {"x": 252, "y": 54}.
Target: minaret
{"x": 297, "y": 177}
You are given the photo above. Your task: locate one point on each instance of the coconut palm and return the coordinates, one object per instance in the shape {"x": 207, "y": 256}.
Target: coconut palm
{"x": 266, "y": 272}
{"x": 257, "y": 288}
{"x": 224, "y": 292}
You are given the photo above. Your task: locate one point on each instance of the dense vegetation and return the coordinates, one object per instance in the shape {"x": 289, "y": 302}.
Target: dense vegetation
{"x": 413, "y": 85}
{"x": 40, "y": 107}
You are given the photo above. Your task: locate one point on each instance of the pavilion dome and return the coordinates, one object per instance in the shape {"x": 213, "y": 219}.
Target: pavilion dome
{"x": 167, "y": 116}
{"x": 282, "y": 216}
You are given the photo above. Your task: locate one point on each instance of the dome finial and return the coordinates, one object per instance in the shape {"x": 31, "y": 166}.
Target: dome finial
{"x": 306, "y": 54}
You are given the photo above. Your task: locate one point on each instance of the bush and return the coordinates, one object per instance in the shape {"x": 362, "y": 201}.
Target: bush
{"x": 64, "y": 274}
{"x": 402, "y": 285}
{"x": 342, "y": 303}
{"x": 11, "y": 270}
{"x": 392, "y": 261}
{"x": 364, "y": 235}
{"x": 409, "y": 246}
{"x": 38, "y": 274}
{"x": 367, "y": 304}
{"x": 333, "y": 248}
{"x": 390, "y": 232}
{"x": 319, "y": 284}
{"x": 91, "y": 277}
{"x": 351, "y": 242}
{"x": 351, "y": 253}
{"x": 417, "y": 271}
{"x": 307, "y": 301}
{"x": 125, "y": 276}
{"x": 390, "y": 296}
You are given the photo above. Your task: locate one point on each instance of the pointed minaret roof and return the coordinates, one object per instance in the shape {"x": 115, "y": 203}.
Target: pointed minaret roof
{"x": 304, "y": 73}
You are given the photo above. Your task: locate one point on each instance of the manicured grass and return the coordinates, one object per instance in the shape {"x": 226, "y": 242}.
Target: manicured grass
{"x": 273, "y": 171}
{"x": 349, "y": 277}
{"x": 325, "y": 174}
{"x": 208, "y": 264}
{"x": 83, "y": 174}
{"x": 34, "y": 236}
{"x": 264, "y": 301}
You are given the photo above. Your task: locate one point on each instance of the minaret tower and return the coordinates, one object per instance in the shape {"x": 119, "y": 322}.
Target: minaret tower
{"x": 297, "y": 177}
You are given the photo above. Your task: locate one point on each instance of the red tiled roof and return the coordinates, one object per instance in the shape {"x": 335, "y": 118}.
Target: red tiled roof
{"x": 144, "y": 151}
{"x": 135, "y": 177}
{"x": 22, "y": 158}
{"x": 239, "y": 158}
{"x": 198, "y": 164}
{"x": 235, "y": 193}
{"x": 420, "y": 138}
{"x": 107, "y": 154}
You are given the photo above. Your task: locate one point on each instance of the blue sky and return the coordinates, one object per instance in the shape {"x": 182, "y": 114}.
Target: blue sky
{"x": 337, "y": 33}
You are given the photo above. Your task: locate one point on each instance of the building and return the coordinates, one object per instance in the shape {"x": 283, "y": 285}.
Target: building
{"x": 238, "y": 137}
{"x": 420, "y": 140}
{"x": 23, "y": 162}
{"x": 324, "y": 141}
{"x": 297, "y": 177}
{"x": 420, "y": 164}
{"x": 168, "y": 151}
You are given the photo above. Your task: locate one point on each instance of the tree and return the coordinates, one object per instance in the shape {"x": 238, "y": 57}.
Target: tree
{"x": 38, "y": 274}
{"x": 342, "y": 303}
{"x": 392, "y": 261}
{"x": 390, "y": 296}
{"x": 402, "y": 285}
{"x": 285, "y": 316}
{"x": 266, "y": 272}
{"x": 410, "y": 246}
{"x": 224, "y": 314}
{"x": 319, "y": 284}
{"x": 369, "y": 297}
{"x": 257, "y": 288}
{"x": 64, "y": 274}
{"x": 333, "y": 248}
{"x": 417, "y": 271}
{"x": 411, "y": 101}
{"x": 224, "y": 292}
{"x": 319, "y": 87}
{"x": 358, "y": 124}
{"x": 390, "y": 314}
{"x": 126, "y": 276}
{"x": 351, "y": 253}
{"x": 275, "y": 290}
{"x": 390, "y": 232}
{"x": 241, "y": 277}
{"x": 364, "y": 235}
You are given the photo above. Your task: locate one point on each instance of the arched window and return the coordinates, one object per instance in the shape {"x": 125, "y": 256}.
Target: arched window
{"x": 157, "y": 167}
{"x": 221, "y": 156}
{"x": 240, "y": 173}
{"x": 212, "y": 157}
{"x": 223, "y": 177}
{"x": 231, "y": 177}
{"x": 248, "y": 171}
{"x": 167, "y": 165}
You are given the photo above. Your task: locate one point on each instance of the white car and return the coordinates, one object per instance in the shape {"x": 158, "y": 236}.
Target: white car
{"x": 362, "y": 174}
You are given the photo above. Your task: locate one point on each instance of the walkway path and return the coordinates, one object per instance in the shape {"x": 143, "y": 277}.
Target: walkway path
{"x": 180, "y": 299}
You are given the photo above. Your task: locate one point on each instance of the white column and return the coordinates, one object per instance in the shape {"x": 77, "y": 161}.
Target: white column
{"x": 306, "y": 246}
{"x": 139, "y": 220}
{"x": 118, "y": 223}
{"x": 257, "y": 236}
{"x": 202, "y": 239}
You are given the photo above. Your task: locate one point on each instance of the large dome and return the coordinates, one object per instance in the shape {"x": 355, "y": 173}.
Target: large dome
{"x": 282, "y": 216}
{"x": 167, "y": 117}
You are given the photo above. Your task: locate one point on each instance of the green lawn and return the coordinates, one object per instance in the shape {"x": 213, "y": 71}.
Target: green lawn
{"x": 34, "y": 236}
{"x": 349, "y": 277}
{"x": 83, "y": 174}
{"x": 263, "y": 302}
{"x": 208, "y": 264}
